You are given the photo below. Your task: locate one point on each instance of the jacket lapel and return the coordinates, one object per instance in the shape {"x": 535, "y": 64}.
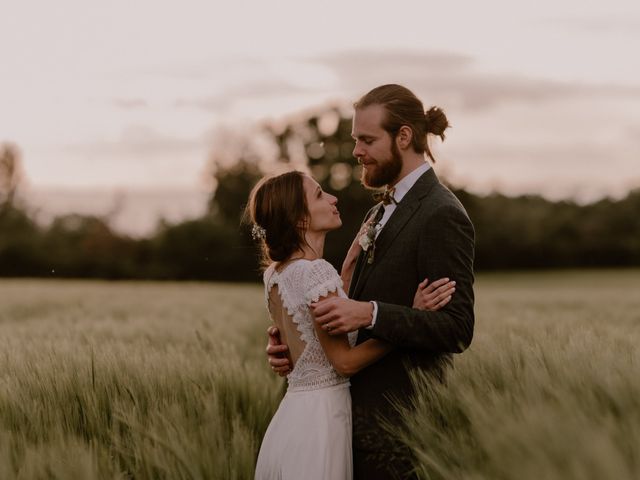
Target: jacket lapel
{"x": 399, "y": 218}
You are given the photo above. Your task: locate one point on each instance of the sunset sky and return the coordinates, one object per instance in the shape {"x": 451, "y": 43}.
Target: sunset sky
{"x": 543, "y": 96}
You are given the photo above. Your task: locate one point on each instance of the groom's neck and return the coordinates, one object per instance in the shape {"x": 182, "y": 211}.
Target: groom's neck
{"x": 410, "y": 162}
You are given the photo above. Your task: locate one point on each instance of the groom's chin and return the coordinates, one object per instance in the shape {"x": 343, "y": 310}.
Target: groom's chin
{"x": 369, "y": 180}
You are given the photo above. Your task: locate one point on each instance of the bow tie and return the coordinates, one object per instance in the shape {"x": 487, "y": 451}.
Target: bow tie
{"x": 385, "y": 197}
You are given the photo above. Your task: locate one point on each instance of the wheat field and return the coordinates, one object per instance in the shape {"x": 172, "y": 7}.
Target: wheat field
{"x": 122, "y": 380}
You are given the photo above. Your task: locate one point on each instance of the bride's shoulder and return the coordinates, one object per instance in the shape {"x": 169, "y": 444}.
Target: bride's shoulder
{"x": 267, "y": 274}
{"x": 306, "y": 265}
{"x": 304, "y": 273}
{"x": 305, "y": 281}
{"x": 320, "y": 280}
{"x": 267, "y": 271}
{"x": 320, "y": 265}
{"x": 312, "y": 268}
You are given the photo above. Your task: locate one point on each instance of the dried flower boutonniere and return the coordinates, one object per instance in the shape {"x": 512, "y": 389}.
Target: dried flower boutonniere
{"x": 367, "y": 238}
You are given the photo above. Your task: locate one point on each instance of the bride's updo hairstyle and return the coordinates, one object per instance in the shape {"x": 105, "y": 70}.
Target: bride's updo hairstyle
{"x": 278, "y": 210}
{"x": 404, "y": 108}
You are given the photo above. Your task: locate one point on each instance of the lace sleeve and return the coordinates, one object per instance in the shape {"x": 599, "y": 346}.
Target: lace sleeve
{"x": 320, "y": 279}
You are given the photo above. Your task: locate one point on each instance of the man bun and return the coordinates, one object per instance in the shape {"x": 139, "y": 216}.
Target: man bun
{"x": 436, "y": 122}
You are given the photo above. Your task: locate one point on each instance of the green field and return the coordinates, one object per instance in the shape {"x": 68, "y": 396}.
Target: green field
{"x": 169, "y": 380}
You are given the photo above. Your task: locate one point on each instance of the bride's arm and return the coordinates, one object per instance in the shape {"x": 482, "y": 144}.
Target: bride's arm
{"x": 349, "y": 360}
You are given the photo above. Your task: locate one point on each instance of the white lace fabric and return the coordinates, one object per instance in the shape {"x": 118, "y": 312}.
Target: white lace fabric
{"x": 299, "y": 284}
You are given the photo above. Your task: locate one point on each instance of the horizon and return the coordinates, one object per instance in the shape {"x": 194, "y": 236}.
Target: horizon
{"x": 137, "y": 212}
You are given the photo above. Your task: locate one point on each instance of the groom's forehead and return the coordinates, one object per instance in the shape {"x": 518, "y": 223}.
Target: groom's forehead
{"x": 367, "y": 120}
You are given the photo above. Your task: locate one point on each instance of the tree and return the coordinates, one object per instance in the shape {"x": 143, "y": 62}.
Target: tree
{"x": 234, "y": 183}
{"x": 10, "y": 173}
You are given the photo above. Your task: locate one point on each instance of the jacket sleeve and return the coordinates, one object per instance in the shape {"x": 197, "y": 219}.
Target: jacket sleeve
{"x": 446, "y": 249}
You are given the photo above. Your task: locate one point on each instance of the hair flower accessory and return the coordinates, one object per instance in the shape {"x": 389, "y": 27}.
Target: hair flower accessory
{"x": 257, "y": 232}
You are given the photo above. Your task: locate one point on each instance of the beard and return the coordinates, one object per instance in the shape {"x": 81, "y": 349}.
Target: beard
{"x": 386, "y": 172}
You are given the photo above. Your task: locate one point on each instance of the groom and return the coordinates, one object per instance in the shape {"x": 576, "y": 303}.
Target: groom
{"x": 425, "y": 233}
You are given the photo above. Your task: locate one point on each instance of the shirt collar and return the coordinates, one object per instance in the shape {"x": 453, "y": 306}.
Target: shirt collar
{"x": 404, "y": 185}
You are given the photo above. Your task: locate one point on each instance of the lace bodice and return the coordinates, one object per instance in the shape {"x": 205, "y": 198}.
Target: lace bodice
{"x": 299, "y": 284}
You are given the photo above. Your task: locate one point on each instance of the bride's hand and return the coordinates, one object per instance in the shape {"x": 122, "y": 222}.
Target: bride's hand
{"x": 350, "y": 259}
{"x": 354, "y": 249}
{"x": 433, "y": 296}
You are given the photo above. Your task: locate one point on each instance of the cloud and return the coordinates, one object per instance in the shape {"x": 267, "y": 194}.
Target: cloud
{"x": 450, "y": 78}
{"x": 604, "y": 24}
{"x": 223, "y": 101}
{"x": 633, "y": 136}
{"x": 445, "y": 78}
{"x": 358, "y": 63}
{"x": 213, "y": 103}
{"x": 130, "y": 103}
{"x": 582, "y": 172}
{"x": 138, "y": 141}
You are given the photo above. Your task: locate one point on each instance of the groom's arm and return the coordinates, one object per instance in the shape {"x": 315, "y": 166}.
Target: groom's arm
{"x": 446, "y": 249}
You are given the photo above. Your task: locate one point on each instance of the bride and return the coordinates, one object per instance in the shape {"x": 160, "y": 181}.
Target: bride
{"x": 310, "y": 433}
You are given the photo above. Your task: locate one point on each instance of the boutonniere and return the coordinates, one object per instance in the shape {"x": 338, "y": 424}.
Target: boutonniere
{"x": 367, "y": 239}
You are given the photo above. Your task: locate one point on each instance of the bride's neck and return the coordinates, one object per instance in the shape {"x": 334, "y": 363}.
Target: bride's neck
{"x": 313, "y": 249}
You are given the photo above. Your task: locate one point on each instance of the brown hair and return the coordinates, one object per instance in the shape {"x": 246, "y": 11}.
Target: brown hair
{"x": 404, "y": 108}
{"x": 279, "y": 205}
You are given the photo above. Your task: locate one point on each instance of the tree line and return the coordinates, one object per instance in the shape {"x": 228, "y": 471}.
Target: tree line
{"x": 525, "y": 232}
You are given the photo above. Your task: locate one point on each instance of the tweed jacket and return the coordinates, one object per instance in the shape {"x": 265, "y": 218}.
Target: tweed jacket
{"x": 429, "y": 235}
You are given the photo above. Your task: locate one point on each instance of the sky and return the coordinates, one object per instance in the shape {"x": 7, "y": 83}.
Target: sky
{"x": 543, "y": 97}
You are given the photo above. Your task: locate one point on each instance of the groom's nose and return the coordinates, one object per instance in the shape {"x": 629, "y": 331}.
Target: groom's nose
{"x": 358, "y": 151}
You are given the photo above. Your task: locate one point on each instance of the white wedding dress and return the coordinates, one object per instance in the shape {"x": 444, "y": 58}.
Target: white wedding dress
{"x": 310, "y": 434}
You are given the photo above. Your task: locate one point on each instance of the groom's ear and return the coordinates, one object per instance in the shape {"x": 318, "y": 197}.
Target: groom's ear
{"x": 404, "y": 137}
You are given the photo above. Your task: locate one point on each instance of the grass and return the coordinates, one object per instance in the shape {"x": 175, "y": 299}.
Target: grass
{"x": 549, "y": 389}
{"x": 106, "y": 380}
{"x": 129, "y": 380}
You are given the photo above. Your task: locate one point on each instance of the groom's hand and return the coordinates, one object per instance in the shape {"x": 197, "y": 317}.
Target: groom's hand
{"x": 339, "y": 315}
{"x": 277, "y": 353}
